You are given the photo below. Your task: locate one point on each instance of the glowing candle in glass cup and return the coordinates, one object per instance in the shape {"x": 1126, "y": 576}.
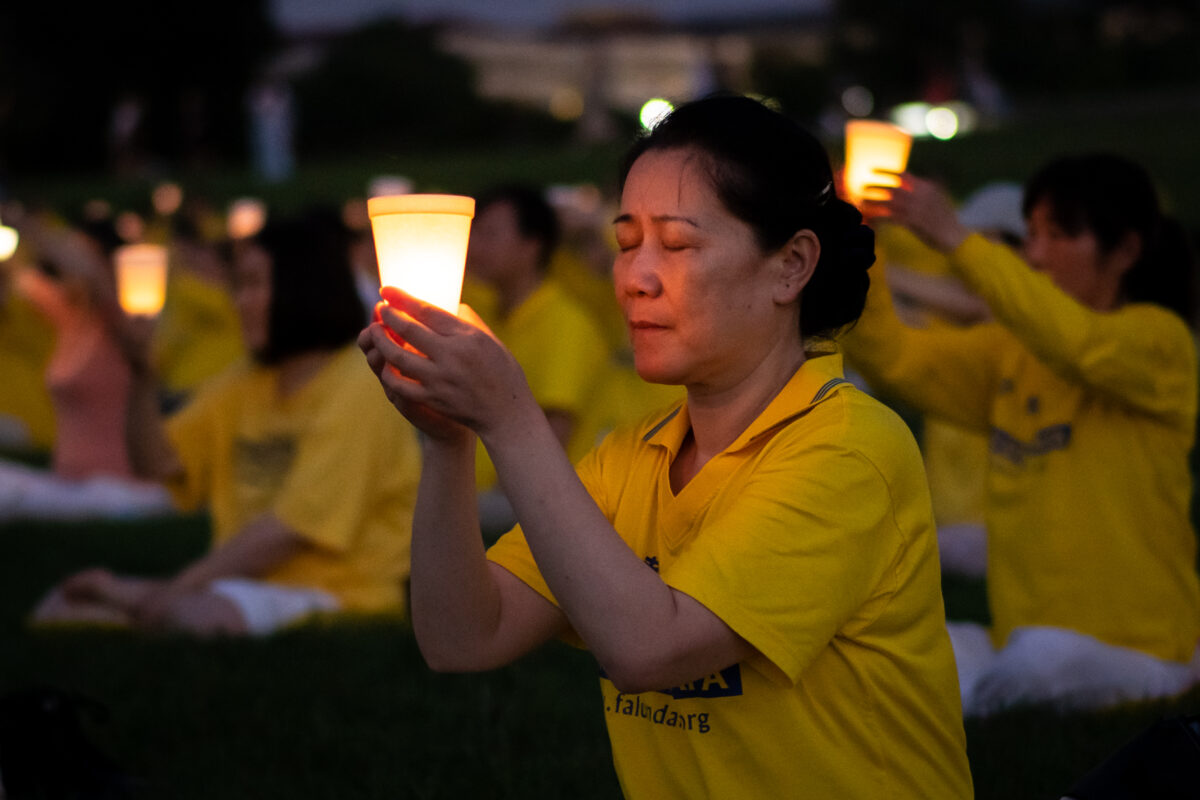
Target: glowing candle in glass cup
{"x": 141, "y": 278}
{"x": 421, "y": 244}
{"x": 873, "y": 149}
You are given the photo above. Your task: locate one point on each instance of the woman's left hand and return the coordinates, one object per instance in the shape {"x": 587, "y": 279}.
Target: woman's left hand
{"x": 441, "y": 371}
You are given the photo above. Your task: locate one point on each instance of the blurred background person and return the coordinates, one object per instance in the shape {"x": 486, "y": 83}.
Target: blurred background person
{"x": 26, "y": 343}
{"x": 309, "y": 475}
{"x": 198, "y": 335}
{"x": 1086, "y": 384}
{"x": 926, "y": 293}
{"x": 514, "y": 237}
{"x": 88, "y": 379}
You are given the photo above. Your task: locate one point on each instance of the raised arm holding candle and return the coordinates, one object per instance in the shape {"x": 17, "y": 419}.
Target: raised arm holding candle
{"x": 765, "y": 549}
{"x": 1086, "y": 385}
{"x": 88, "y": 378}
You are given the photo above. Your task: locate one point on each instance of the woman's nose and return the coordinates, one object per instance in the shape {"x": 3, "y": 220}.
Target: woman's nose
{"x": 640, "y": 275}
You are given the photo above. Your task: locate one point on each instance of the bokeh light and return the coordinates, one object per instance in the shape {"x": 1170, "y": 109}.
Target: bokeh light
{"x": 857, "y": 101}
{"x": 941, "y": 122}
{"x": 8, "y": 242}
{"x": 247, "y": 216}
{"x": 653, "y": 111}
{"x": 911, "y": 117}
{"x": 130, "y": 226}
{"x": 566, "y": 104}
{"x": 167, "y": 198}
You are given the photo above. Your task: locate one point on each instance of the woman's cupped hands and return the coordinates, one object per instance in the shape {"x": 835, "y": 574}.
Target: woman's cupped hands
{"x": 446, "y": 374}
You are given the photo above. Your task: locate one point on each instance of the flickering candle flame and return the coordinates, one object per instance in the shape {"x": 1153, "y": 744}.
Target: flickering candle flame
{"x": 421, "y": 244}
{"x": 873, "y": 149}
{"x": 141, "y": 278}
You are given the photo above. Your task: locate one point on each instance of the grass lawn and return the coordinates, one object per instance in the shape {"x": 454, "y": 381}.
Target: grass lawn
{"x": 350, "y": 710}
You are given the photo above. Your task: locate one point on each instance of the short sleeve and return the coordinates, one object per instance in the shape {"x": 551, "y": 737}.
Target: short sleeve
{"x": 353, "y": 444}
{"x": 197, "y": 432}
{"x": 811, "y": 539}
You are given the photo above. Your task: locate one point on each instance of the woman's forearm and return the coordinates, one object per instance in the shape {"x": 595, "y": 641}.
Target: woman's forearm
{"x": 260, "y": 547}
{"x": 150, "y": 452}
{"x": 644, "y": 634}
{"x": 455, "y": 603}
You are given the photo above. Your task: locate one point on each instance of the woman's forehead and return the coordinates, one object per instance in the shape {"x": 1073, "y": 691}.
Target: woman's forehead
{"x": 669, "y": 180}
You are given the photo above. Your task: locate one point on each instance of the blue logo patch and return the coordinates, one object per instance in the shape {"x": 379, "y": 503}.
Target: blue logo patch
{"x": 726, "y": 683}
{"x": 1010, "y": 448}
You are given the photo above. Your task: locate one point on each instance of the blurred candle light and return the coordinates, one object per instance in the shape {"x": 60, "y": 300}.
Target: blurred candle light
{"x": 421, "y": 244}
{"x": 167, "y": 197}
{"x": 8, "y": 242}
{"x": 873, "y": 149}
{"x": 246, "y": 217}
{"x": 141, "y": 278}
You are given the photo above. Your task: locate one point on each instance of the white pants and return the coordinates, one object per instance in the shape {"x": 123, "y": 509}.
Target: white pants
{"x": 27, "y": 493}
{"x": 267, "y": 607}
{"x": 1060, "y": 667}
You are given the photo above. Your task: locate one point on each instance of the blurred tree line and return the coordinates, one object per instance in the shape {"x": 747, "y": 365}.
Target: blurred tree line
{"x": 135, "y": 85}
{"x": 171, "y": 76}
{"x": 83, "y": 86}
{"x": 926, "y": 49}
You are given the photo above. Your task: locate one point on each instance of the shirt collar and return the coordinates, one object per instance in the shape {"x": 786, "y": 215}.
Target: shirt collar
{"x": 817, "y": 379}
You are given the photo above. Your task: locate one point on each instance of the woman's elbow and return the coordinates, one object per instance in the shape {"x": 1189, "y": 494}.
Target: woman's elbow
{"x": 636, "y": 675}
{"x": 454, "y": 657}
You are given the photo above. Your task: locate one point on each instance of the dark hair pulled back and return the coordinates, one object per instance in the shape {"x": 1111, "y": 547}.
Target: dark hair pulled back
{"x": 1110, "y": 197}
{"x": 775, "y": 176}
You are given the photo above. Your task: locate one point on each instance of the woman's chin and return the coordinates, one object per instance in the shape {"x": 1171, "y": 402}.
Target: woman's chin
{"x": 652, "y": 372}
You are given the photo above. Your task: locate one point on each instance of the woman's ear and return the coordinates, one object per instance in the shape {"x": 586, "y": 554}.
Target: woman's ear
{"x": 797, "y": 259}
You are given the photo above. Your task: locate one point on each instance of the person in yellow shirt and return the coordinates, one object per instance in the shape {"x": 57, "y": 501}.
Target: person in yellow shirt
{"x": 198, "y": 335}
{"x": 1086, "y": 385}
{"x": 556, "y": 341}
{"x": 756, "y": 569}
{"x": 309, "y": 475}
{"x": 926, "y": 293}
{"x": 26, "y": 344}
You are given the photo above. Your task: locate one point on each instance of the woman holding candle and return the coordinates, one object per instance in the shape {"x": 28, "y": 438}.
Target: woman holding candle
{"x": 1087, "y": 385}
{"x": 309, "y": 475}
{"x": 67, "y": 276}
{"x": 755, "y": 570}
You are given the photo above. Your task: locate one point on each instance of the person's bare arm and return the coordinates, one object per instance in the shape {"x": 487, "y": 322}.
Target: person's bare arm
{"x": 262, "y": 545}
{"x": 644, "y": 633}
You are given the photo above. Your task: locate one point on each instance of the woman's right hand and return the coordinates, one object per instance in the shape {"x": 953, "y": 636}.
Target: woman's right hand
{"x": 425, "y": 419}
{"x": 453, "y": 368}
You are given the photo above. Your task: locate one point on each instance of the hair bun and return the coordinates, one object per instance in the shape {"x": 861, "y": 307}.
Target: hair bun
{"x": 837, "y": 292}
{"x": 854, "y": 240}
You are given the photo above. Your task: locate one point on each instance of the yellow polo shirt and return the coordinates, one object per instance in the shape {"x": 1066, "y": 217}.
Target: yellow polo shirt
{"x": 811, "y": 536}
